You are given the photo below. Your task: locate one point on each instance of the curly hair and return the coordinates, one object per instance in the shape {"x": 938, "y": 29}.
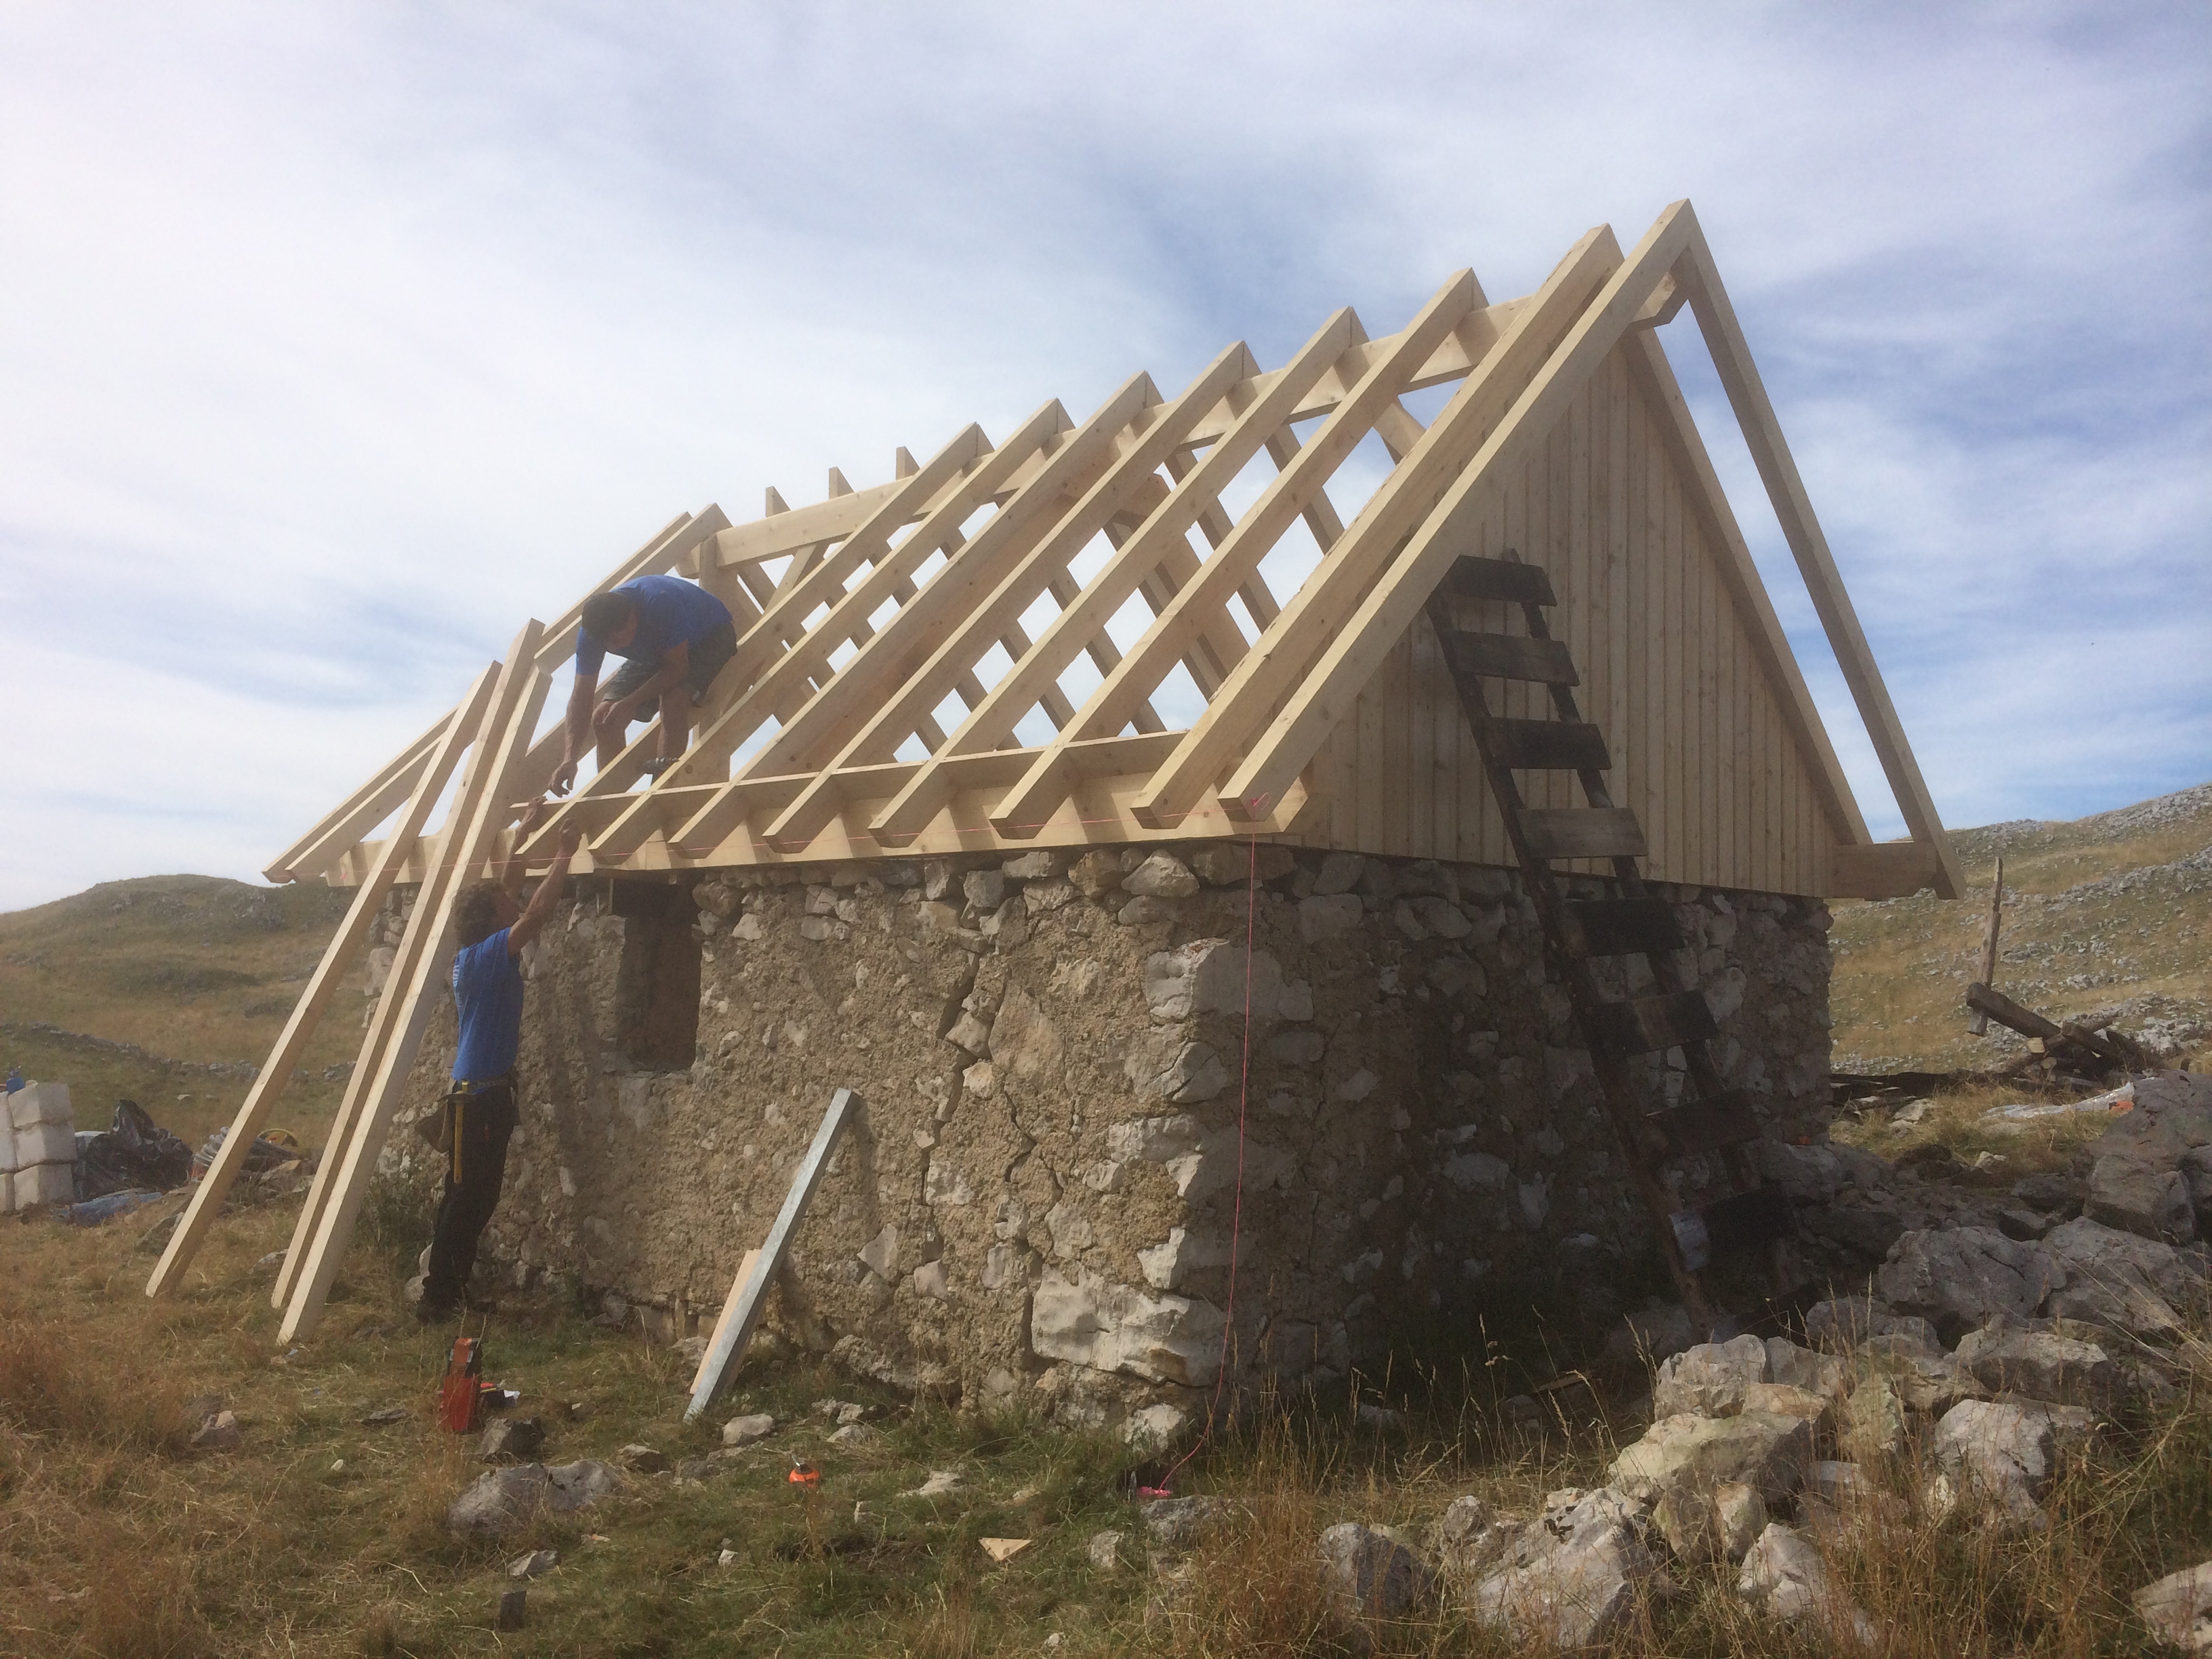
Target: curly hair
{"x": 605, "y": 612}
{"x": 476, "y": 912}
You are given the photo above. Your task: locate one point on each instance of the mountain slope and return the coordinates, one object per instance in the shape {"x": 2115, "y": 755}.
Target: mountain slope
{"x": 2110, "y": 915}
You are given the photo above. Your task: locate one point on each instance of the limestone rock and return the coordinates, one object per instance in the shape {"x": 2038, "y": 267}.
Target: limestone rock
{"x": 1116, "y": 1328}
{"x": 1143, "y": 911}
{"x": 2041, "y": 1365}
{"x": 1025, "y": 1043}
{"x": 1340, "y": 873}
{"x": 1471, "y": 1537}
{"x": 1328, "y": 916}
{"x": 1572, "y": 1579}
{"x": 1740, "y": 1515}
{"x": 1780, "y": 1399}
{"x": 501, "y": 1500}
{"x": 1369, "y": 1574}
{"x": 219, "y": 1433}
{"x": 2178, "y": 1608}
{"x": 1179, "y": 1523}
{"x": 1041, "y": 866}
{"x": 2120, "y": 1280}
{"x": 1105, "y": 1551}
{"x": 2007, "y": 1451}
{"x": 940, "y": 1482}
{"x": 512, "y": 1439}
{"x": 1956, "y": 1280}
{"x": 2139, "y": 1192}
{"x": 1162, "y": 876}
{"x": 1844, "y": 1324}
{"x": 1769, "y": 1452}
{"x": 985, "y": 890}
{"x": 1097, "y": 873}
{"x": 1709, "y": 1379}
{"x": 1802, "y": 1368}
{"x": 745, "y": 1430}
{"x": 643, "y": 1460}
{"x": 529, "y": 1565}
{"x": 1873, "y": 1426}
{"x": 1784, "y": 1573}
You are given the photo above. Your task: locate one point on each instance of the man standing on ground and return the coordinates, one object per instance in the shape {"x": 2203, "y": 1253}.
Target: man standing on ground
{"x": 492, "y": 928}
{"x": 676, "y": 636}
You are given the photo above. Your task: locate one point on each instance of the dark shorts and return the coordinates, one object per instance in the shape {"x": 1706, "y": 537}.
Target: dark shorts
{"x": 709, "y": 652}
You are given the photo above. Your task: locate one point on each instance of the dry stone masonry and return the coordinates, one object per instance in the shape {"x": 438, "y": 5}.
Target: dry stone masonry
{"x": 1054, "y": 1051}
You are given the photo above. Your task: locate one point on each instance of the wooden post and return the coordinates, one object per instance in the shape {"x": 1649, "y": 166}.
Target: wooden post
{"x": 480, "y": 812}
{"x": 306, "y": 1014}
{"x": 1979, "y": 1024}
{"x": 735, "y": 1328}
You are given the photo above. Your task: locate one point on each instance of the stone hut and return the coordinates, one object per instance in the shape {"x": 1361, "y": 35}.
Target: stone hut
{"x": 1157, "y": 894}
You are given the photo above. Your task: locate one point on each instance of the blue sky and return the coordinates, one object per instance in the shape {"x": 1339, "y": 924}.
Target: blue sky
{"x": 334, "y": 340}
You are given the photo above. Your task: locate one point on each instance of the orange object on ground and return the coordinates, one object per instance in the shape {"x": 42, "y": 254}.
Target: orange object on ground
{"x": 804, "y": 1474}
{"x": 460, "y": 1397}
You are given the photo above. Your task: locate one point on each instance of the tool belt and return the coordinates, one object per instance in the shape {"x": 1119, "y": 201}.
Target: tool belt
{"x": 441, "y": 1129}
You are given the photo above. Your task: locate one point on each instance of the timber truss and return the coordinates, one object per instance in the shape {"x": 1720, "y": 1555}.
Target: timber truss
{"x": 928, "y": 665}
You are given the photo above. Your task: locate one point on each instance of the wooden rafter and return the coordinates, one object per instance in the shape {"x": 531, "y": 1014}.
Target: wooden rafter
{"x": 959, "y": 585}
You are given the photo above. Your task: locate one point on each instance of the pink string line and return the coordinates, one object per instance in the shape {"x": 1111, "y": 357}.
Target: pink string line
{"x": 1236, "y": 1212}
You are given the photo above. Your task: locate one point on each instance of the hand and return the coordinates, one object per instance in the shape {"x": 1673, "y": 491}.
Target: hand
{"x": 564, "y": 777}
{"x": 532, "y": 816}
{"x": 571, "y": 838}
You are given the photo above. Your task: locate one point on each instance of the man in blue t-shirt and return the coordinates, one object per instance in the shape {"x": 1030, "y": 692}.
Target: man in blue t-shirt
{"x": 674, "y": 635}
{"x": 491, "y": 927}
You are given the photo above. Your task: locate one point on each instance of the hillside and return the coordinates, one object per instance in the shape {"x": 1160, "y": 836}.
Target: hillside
{"x": 169, "y": 990}
{"x": 2109, "y": 915}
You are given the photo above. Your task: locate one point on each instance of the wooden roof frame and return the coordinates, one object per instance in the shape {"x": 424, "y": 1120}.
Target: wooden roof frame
{"x": 848, "y": 653}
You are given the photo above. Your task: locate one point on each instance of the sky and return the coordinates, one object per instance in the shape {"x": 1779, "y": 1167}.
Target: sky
{"x": 335, "y": 340}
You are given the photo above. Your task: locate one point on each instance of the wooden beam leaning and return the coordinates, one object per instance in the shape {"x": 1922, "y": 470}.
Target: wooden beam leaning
{"x": 1351, "y": 639}
{"x": 368, "y": 1064}
{"x": 360, "y": 813}
{"x": 1082, "y": 620}
{"x": 1801, "y": 528}
{"x": 306, "y": 1014}
{"x": 732, "y": 1335}
{"x": 481, "y": 810}
{"x": 1313, "y": 616}
{"x": 1286, "y": 496}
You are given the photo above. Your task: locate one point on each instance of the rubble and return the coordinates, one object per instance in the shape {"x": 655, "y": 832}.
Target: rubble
{"x": 2178, "y": 1608}
{"x": 501, "y": 1500}
{"x": 1785, "y": 1574}
{"x": 1369, "y": 1574}
{"x": 1571, "y": 1578}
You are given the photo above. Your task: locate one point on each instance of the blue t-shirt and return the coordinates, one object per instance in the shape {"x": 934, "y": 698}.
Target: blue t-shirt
{"x": 488, "y": 993}
{"x": 671, "y": 612}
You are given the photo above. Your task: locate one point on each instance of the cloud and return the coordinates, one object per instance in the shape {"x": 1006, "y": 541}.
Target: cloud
{"x": 335, "y": 340}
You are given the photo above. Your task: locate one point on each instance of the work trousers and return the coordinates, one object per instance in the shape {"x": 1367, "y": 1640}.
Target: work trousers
{"x": 483, "y": 1125}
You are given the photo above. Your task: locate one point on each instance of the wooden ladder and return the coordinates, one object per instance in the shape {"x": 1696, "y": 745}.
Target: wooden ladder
{"x": 1710, "y": 1118}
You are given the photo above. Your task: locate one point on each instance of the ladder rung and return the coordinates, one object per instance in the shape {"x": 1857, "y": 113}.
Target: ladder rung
{"x": 1748, "y": 1219}
{"x": 1706, "y": 1126}
{"x": 1497, "y": 578}
{"x": 1510, "y": 656}
{"x": 1644, "y": 1025}
{"x": 1548, "y": 745}
{"x": 1621, "y": 927}
{"x": 1582, "y": 832}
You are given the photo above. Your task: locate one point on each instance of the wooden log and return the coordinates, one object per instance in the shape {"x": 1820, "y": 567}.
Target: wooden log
{"x": 1979, "y": 1024}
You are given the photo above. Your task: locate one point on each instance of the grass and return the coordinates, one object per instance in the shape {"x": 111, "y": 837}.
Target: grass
{"x": 189, "y": 968}
{"x": 2075, "y": 940}
{"x": 324, "y": 1537}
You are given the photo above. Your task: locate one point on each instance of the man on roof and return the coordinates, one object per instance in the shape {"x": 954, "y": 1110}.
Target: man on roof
{"x": 675, "y": 637}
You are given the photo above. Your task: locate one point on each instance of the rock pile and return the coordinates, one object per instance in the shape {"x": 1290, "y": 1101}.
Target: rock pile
{"x": 1995, "y": 1353}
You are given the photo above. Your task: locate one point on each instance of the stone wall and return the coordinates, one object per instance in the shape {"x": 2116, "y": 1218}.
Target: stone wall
{"x": 1039, "y": 1195}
